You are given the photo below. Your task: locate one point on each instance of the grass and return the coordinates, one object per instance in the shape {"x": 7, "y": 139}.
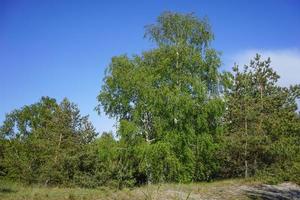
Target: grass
{"x": 226, "y": 189}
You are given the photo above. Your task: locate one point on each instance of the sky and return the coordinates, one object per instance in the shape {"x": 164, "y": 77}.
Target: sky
{"x": 61, "y": 48}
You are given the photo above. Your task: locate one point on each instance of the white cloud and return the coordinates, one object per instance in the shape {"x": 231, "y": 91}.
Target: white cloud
{"x": 286, "y": 62}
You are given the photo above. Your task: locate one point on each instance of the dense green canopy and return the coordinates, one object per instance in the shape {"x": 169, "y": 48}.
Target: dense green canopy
{"x": 170, "y": 97}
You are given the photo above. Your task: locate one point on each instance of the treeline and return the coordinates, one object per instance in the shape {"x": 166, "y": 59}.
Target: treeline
{"x": 179, "y": 120}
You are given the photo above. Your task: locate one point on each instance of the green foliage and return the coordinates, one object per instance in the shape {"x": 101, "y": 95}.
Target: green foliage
{"x": 207, "y": 164}
{"x": 41, "y": 141}
{"x": 160, "y": 163}
{"x": 176, "y": 29}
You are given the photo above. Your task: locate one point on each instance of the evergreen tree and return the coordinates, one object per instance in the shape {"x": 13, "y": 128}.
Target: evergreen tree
{"x": 41, "y": 141}
{"x": 260, "y": 115}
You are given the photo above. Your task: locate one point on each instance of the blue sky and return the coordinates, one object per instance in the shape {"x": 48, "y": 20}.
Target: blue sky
{"x": 60, "y": 48}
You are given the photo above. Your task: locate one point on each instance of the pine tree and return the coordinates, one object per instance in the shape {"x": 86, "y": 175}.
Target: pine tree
{"x": 257, "y": 109}
{"x": 41, "y": 141}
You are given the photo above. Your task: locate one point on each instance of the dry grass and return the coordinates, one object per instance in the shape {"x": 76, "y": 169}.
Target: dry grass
{"x": 227, "y": 189}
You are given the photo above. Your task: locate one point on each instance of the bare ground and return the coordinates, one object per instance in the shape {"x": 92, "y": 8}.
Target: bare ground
{"x": 219, "y": 190}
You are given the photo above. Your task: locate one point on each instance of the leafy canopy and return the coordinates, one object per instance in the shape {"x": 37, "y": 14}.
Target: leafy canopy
{"x": 170, "y": 94}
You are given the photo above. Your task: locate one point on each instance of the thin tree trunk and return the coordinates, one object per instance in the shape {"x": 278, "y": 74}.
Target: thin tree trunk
{"x": 147, "y": 137}
{"x": 261, "y": 109}
{"x": 177, "y": 68}
{"x": 58, "y": 147}
{"x": 246, "y": 147}
{"x": 149, "y": 180}
{"x": 56, "y": 156}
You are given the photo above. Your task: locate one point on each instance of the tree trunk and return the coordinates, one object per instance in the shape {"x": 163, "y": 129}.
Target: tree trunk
{"x": 58, "y": 147}
{"x": 261, "y": 110}
{"x": 147, "y": 137}
{"x": 246, "y": 147}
